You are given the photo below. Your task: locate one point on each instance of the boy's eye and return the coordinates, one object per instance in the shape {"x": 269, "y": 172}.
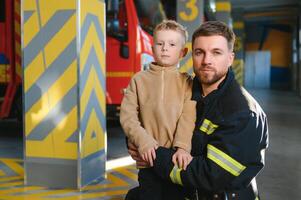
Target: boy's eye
{"x": 159, "y": 43}
{"x": 172, "y": 44}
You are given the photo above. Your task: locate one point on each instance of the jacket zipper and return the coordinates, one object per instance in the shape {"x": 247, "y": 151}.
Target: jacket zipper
{"x": 162, "y": 89}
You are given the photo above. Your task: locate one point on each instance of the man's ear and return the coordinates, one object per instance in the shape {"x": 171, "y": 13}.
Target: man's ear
{"x": 184, "y": 52}
{"x": 231, "y": 58}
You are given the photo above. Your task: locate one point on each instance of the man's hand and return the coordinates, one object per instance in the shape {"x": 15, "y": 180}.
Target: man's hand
{"x": 133, "y": 151}
{"x": 149, "y": 156}
{"x": 181, "y": 158}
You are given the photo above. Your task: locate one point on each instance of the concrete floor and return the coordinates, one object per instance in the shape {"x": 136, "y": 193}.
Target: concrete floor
{"x": 281, "y": 178}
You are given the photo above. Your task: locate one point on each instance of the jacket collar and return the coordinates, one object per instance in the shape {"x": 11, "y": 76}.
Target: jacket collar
{"x": 197, "y": 88}
{"x": 154, "y": 67}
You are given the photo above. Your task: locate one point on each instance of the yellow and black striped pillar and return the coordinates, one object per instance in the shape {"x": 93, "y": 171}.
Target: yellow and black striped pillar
{"x": 223, "y": 11}
{"x": 190, "y": 15}
{"x": 64, "y": 92}
{"x": 238, "y": 65}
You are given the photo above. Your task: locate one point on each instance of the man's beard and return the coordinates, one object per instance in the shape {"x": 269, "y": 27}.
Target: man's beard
{"x": 208, "y": 79}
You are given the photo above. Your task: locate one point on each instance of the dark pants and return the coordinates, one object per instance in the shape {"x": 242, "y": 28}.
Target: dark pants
{"x": 152, "y": 187}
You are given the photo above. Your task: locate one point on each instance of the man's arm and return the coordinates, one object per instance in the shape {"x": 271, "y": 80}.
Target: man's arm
{"x": 233, "y": 157}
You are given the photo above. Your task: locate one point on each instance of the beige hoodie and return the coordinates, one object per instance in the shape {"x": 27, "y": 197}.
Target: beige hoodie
{"x": 157, "y": 109}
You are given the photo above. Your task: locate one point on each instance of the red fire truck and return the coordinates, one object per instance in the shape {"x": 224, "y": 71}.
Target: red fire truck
{"x": 128, "y": 44}
{"x": 128, "y": 49}
{"x": 10, "y": 59}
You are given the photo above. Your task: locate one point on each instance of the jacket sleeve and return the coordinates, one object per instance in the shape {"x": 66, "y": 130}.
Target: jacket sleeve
{"x": 186, "y": 121}
{"x": 233, "y": 157}
{"x": 129, "y": 120}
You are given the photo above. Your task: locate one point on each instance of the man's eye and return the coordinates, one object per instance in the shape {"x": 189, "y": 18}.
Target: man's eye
{"x": 216, "y": 53}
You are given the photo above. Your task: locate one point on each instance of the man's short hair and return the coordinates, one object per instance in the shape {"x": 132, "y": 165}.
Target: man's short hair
{"x": 211, "y": 28}
{"x": 172, "y": 25}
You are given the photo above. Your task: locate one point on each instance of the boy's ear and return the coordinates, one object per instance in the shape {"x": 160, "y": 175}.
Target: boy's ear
{"x": 184, "y": 50}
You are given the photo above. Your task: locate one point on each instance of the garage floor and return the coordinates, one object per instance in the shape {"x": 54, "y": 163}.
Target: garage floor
{"x": 281, "y": 178}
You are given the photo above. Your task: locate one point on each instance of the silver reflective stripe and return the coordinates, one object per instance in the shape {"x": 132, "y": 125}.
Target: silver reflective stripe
{"x": 224, "y": 160}
{"x": 208, "y": 127}
{"x": 175, "y": 175}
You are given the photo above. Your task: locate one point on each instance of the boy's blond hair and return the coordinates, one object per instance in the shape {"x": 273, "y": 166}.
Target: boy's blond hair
{"x": 172, "y": 25}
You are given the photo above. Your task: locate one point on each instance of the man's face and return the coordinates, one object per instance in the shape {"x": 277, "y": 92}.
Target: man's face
{"x": 168, "y": 47}
{"x": 211, "y": 59}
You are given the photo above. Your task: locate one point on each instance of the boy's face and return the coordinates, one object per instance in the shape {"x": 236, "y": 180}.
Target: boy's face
{"x": 168, "y": 47}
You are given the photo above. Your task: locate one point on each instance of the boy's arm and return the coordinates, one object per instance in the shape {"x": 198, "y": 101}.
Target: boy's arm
{"x": 129, "y": 119}
{"x": 186, "y": 121}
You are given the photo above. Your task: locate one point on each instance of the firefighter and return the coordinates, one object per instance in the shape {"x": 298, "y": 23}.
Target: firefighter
{"x": 231, "y": 132}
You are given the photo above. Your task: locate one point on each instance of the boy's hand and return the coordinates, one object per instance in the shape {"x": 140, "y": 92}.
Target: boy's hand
{"x": 181, "y": 158}
{"x": 133, "y": 151}
{"x": 149, "y": 156}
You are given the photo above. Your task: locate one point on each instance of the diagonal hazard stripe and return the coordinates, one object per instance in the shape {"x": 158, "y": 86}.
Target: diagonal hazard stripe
{"x": 52, "y": 73}
{"x": 187, "y": 67}
{"x": 92, "y": 84}
{"x": 46, "y": 33}
{"x": 51, "y": 98}
{"x": 13, "y": 165}
{"x": 94, "y": 42}
{"x": 27, "y": 15}
{"x": 54, "y": 117}
{"x": 89, "y": 21}
{"x": 93, "y": 104}
{"x": 9, "y": 167}
{"x": 118, "y": 183}
{"x": 92, "y": 61}
{"x": 73, "y": 137}
{"x": 93, "y": 138}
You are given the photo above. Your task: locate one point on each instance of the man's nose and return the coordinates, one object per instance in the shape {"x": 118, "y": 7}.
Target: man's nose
{"x": 207, "y": 58}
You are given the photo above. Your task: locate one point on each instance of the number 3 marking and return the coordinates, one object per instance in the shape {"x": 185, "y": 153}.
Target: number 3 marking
{"x": 191, "y": 4}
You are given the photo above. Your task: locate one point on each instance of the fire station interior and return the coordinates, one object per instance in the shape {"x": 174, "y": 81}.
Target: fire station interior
{"x": 47, "y": 111}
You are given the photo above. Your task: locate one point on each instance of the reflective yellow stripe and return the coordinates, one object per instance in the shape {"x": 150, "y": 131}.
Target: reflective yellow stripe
{"x": 224, "y": 160}
{"x": 175, "y": 175}
{"x": 256, "y": 198}
{"x": 119, "y": 74}
{"x": 208, "y": 127}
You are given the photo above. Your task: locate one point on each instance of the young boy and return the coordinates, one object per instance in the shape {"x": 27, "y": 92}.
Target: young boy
{"x": 157, "y": 109}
